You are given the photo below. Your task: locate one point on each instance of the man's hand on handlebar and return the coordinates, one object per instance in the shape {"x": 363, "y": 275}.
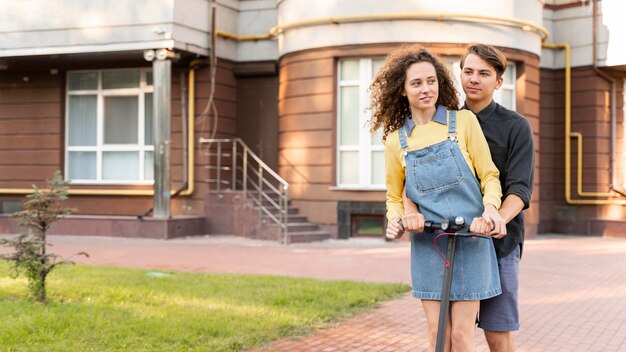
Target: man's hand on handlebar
{"x": 496, "y": 221}
{"x": 413, "y": 221}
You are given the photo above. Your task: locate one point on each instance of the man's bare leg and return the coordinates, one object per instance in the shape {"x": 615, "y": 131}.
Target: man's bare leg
{"x": 499, "y": 341}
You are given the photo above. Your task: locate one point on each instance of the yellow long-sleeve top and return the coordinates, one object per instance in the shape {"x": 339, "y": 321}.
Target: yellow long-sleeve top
{"x": 473, "y": 146}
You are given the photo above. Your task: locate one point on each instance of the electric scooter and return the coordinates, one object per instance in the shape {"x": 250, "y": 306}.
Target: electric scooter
{"x": 453, "y": 230}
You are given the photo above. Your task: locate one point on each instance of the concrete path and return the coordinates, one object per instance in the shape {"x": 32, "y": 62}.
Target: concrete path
{"x": 573, "y": 289}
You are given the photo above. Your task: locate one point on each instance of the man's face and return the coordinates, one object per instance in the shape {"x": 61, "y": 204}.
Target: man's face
{"x": 479, "y": 79}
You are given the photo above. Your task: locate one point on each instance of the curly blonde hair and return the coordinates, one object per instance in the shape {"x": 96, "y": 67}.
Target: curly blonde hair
{"x": 389, "y": 107}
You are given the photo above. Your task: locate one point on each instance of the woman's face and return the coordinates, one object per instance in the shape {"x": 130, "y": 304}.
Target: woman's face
{"x": 421, "y": 86}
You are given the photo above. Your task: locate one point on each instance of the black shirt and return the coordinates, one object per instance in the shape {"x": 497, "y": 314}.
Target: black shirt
{"x": 510, "y": 140}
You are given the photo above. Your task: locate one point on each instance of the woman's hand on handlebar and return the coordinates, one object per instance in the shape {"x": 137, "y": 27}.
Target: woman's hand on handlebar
{"x": 394, "y": 229}
{"x": 412, "y": 220}
{"x": 481, "y": 226}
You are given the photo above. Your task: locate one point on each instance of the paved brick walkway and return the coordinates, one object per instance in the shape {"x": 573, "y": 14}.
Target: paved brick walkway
{"x": 573, "y": 289}
{"x": 573, "y": 298}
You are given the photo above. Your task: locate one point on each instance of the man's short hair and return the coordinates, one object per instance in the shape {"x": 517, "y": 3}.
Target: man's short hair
{"x": 493, "y": 56}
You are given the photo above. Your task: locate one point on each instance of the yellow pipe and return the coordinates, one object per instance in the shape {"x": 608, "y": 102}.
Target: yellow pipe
{"x": 579, "y": 171}
{"x": 237, "y": 37}
{"x": 141, "y": 192}
{"x": 85, "y": 191}
{"x": 568, "y": 145}
{"x": 191, "y": 85}
{"x": 110, "y": 192}
{"x": 278, "y": 30}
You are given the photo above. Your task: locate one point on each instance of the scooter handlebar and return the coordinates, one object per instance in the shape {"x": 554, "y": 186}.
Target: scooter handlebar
{"x": 446, "y": 225}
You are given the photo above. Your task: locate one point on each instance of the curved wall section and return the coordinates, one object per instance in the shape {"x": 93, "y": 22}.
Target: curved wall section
{"x": 374, "y": 25}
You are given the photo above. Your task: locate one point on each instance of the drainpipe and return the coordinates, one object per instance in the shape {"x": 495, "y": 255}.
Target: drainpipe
{"x": 569, "y": 134}
{"x": 613, "y": 99}
{"x": 183, "y": 120}
{"x": 191, "y": 133}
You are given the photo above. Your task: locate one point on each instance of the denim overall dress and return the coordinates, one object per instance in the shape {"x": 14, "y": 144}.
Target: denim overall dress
{"x": 441, "y": 183}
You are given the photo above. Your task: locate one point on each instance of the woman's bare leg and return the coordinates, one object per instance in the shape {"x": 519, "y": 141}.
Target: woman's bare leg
{"x": 431, "y": 310}
{"x": 463, "y": 325}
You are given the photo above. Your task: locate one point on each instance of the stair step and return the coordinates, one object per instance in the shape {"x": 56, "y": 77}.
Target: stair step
{"x": 290, "y": 211}
{"x": 298, "y": 219}
{"x": 270, "y": 195}
{"x": 292, "y": 218}
{"x": 307, "y": 236}
{"x": 268, "y": 204}
{"x": 301, "y": 227}
{"x": 275, "y": 197}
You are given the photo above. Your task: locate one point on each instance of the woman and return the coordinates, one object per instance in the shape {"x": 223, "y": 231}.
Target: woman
{"x": 438, "y": 152}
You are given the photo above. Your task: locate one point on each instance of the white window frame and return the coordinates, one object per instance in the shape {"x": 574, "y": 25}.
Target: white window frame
{"x": 100, "y": 147}
{"x": 508, "y": 86}
{"x": 365, "y": 147}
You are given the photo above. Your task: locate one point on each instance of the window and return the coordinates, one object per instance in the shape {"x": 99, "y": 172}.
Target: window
{"x": 360, "y": 156}
{"x": 505, "y": 96}
{"x": 368, "y": 225}
{"x": 109, "y": 127}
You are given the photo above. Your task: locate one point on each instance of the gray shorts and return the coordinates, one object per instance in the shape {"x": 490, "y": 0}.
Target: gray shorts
{"x": 501, "y": 313}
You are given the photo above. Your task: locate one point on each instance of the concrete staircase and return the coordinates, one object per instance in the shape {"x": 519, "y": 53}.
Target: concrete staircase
{"x": 299, "y": 229}
{"x": 228, "y": 212}
{"x": 248, "y": 198}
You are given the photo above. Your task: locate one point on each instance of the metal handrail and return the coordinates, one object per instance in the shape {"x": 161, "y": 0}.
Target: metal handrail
{"x": 249, "y": 174}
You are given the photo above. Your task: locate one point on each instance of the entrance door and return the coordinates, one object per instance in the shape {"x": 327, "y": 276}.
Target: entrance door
{"x": 257, "y": 116}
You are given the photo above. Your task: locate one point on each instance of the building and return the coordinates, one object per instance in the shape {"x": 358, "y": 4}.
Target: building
{"x": 131, "y": 99}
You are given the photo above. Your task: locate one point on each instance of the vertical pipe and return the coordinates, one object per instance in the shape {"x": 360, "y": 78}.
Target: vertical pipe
{"x": 568, "y": 122}
{"x": 162, "y": 136}
{"x": 213, "y": 30}
{"x": 183, "y": 120}
{"x": 191, "y": 134}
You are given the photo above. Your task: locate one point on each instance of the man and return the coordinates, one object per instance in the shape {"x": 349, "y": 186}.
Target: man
{"x": 510, "y": 140}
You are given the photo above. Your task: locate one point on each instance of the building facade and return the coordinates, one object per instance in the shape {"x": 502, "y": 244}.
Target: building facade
{"x": 129, "y": 98}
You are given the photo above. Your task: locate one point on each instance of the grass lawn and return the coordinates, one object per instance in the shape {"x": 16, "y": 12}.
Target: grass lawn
{"x": 119, "y": 309}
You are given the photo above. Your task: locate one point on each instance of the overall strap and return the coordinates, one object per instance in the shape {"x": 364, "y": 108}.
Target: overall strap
{"x": 452, "y": 126}
{"x": 402, "y": 134}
